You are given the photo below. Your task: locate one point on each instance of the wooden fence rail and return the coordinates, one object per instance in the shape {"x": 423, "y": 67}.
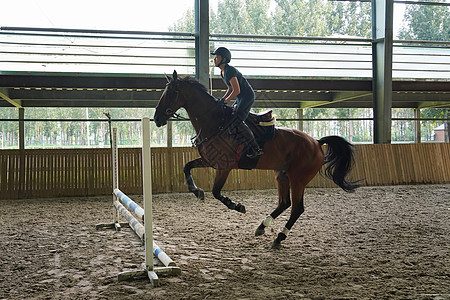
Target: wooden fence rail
{"x": 85, "y": 172}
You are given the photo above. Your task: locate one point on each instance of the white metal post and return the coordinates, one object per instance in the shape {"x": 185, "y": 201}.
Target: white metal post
{"x": 147, "y": 195}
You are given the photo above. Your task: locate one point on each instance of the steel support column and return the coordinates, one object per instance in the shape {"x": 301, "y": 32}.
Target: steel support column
{"x": 169, "y": 133}
{"x": 382, "y": 33}
{"x": 446, "y": 126}
{"x": 300, "y": 117}
{"x": 202, "y": 52}
{"x": 21, "y": 128}
{"x": 417, "y": 129}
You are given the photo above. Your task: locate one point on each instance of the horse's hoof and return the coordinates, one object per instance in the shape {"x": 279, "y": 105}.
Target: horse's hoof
{"x": 276, "y": 245}
{"x": 240, "y": 208}
{"x": 259, "y": 232}
{"x": 201, "y": 194}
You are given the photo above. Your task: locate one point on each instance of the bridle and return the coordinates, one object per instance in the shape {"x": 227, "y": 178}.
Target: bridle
{"x": 170, "y": 113}
{"x": 196, "y": 140}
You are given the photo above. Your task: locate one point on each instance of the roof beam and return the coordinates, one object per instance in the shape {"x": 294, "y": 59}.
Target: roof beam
{"x": 4, "y": 95}
{"x": 336, "y": 97}
{"x": 432, "y": 104}
{"x": 85, "y": 94}
{"x": 345, "y": 96}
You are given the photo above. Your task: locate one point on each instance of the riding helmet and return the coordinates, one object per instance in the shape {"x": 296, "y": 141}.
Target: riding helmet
{"x": 224, "y": 52}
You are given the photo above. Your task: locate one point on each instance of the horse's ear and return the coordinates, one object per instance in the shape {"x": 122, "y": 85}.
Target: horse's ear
{"x": 174, "y": 75}
{"x": 167, "y": 77}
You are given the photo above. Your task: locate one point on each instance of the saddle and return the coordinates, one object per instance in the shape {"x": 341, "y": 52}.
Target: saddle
{"x": 264, "y": 118}
{"x": 262, "y": 125}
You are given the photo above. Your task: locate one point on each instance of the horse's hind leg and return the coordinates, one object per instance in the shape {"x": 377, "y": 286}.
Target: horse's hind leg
{"x": 219, "y": 182}
{"x": 284, "y": 201}
{"x": 196, "y": 163}
{"x": 297, "y": 209}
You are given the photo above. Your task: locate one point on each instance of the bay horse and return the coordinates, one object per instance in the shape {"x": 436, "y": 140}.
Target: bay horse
{"x": 295, "y": 156}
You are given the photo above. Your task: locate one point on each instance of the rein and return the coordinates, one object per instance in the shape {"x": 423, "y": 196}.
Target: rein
{"x": 196, "y": 141}
{"x": 178, "y": 117}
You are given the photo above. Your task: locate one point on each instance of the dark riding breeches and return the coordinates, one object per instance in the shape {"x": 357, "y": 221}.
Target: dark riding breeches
{"x": 243, "y": 106}
{"x": 238, "y": 130}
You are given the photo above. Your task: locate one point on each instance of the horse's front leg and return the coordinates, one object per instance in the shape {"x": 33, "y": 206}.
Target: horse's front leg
{"x": 196, "y": 163}
{"x": 219, "y": 182}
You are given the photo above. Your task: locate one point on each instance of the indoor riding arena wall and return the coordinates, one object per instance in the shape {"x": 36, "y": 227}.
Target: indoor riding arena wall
{"x": 41, "y": 173}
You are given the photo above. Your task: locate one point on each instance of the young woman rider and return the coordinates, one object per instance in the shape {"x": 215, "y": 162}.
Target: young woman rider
{"x": 239, "y": 88}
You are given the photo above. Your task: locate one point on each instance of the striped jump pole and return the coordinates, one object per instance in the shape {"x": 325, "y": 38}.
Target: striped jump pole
{"x": 134, "y": 224}
{"x": 139, "y": 229}
{"x": 162, "y": 256}
{"x": 139, "y": 211}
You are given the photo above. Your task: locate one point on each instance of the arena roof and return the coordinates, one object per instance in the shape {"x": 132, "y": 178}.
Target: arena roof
{"x": 128, "y": 91}
{"x": 117, "y": 69}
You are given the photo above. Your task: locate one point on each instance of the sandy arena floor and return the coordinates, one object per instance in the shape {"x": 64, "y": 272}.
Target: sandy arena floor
{"x": 377, "y": 243}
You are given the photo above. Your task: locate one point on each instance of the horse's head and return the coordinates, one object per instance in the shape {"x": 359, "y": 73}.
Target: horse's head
{"x": 169, "y": 102}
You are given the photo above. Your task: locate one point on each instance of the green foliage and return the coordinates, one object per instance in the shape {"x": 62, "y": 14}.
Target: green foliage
{"x": 317, "y": 18}
{"x": 426, "y": 22}
{"x": 186, "y": 23}
{"x": 258, "y": 18}
{"x": 231, "y": 17}
{"x": 87, "y": 134}
{"x": 402, "y": 131}
{"x": 9, "y": 130}
{"x": 349, "y": 18}
{"x": 294, "y": 18}
{"x": 75, "y": 134}
{"x": 289, "y": 18}
{"x": 429, "y": 126}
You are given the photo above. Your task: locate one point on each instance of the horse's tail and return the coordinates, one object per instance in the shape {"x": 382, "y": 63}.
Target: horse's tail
{"x": 339, "y": 161}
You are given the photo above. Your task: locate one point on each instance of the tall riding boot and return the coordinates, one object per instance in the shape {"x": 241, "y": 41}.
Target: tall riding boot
{"x": 244, "y": 136}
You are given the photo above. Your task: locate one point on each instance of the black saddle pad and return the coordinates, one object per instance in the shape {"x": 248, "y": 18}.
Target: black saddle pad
{"x": 262, "y": 135}
{"x": 266, "y": 134}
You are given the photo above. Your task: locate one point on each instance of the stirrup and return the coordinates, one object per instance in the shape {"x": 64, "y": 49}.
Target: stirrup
{"x": 257, "y": 153}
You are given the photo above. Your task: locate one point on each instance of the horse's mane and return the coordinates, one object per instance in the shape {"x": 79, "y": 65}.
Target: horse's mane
{"x": 196, "y": 84}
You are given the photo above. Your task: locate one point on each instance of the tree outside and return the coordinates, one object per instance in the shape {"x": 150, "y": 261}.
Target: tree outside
{"x": 288, "y": 17}
{"x": 77, "y": 134}
{"x": 426, "y": 22}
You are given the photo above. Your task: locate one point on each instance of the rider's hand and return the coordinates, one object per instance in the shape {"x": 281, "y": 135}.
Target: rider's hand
{"x": 221, "y": 101}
